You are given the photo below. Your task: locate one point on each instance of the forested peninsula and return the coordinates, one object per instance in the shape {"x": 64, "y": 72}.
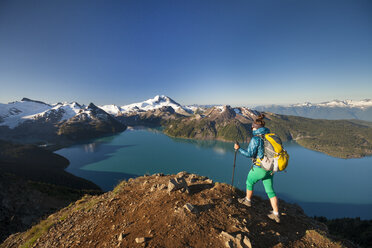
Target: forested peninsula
{"x": 338, "y": 138}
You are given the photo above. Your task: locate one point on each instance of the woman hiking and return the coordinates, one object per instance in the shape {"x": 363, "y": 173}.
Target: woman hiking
{"x": 256, "y": 150}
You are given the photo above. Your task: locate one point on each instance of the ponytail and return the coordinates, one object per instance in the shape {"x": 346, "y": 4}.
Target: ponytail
{"x": 259, "y": 121}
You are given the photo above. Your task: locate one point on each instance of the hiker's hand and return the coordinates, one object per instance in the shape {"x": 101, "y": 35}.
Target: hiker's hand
{"x": 236, "y": 146}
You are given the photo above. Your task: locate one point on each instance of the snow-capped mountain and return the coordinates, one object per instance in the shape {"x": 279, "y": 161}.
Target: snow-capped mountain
{"x": 14, "y": 113}
{"x": 112, "y": 109}
{"x": 333, "y": 110}
{"x": 157, "y": 102}
{"x": 92, "y": 112}
{"x": 90, "y": 122}
{"x": 251, "y": 114}
{"x": 225, "y": 112}
{"x": 340, "y": 104}
{"x": 151, "y": 104}
{"x": 38, "y": 121}
{"x": 59, "y": 112}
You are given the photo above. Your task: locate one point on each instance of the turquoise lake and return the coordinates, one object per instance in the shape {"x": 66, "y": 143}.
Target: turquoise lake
{"x": 320, "y": 184}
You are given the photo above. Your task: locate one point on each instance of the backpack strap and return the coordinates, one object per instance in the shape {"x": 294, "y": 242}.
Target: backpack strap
{"x": 262, "y": 136}
{"x": 254, "y": 160}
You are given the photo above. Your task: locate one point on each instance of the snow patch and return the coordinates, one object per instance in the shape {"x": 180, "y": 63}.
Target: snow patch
{"x": 237, "y": 111}
{"x": 15, "y": 113}
{"x": 111, "y": 109}
{"x": 66, "y": 110}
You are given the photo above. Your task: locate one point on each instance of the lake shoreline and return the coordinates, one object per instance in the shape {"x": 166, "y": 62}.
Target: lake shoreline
{"x": 211, "y": 145}
{"x": 58, "y": 146}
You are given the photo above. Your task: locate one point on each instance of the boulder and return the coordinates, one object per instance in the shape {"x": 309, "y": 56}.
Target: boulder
{"x": 177, "y": 184}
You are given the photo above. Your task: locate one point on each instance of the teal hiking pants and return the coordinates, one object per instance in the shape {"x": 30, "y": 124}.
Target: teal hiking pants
{"x": 256, "y": 174}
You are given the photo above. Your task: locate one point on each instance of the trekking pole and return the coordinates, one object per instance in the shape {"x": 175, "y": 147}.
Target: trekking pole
{"x": 232, "y": 180}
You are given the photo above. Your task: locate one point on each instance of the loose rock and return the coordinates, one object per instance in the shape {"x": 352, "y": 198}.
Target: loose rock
{"x": 140, "y": 240}
{"x": 227, "y": 235}
{"x": 120, "y": 237}
{"x": 229, "y": 244}
{"x": 191, "y": 208}
{"x": 176, "y": 184}
{"x": 239, "y": 241}
{"x": 153, "y": 187}
{"x": 247, "y": 242}
{"x": 210, "y": 181}
{"x": 162, "y": 186}
{"x": 182, "y": 174}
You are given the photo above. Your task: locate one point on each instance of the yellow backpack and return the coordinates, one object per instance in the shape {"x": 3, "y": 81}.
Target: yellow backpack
{"x": 275, "y": 158}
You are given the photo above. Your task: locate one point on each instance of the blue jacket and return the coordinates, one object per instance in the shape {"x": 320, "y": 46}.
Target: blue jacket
{"x": 256, "y": 147}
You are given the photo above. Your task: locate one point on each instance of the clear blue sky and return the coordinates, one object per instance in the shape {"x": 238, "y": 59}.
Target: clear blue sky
{"x": 195, "y": 51}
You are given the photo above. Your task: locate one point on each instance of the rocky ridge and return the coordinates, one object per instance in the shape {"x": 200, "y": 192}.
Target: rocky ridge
{"x": 183, "y": 210}
{"x": 150, "y": 118}
{"x": 91, "y": 122}
{"x": 218, "y": 123}
{"x": 338, "y": 138}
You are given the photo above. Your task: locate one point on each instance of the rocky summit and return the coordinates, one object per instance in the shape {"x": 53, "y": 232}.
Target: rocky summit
{"x": 183, "y": 210}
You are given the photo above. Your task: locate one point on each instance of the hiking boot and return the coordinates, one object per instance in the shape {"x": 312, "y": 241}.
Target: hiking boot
{"x": 274, "y": 217}
{"x": 244, "y": 201}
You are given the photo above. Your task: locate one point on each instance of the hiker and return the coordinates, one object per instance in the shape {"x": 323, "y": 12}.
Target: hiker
{"x": 256, "y": 150}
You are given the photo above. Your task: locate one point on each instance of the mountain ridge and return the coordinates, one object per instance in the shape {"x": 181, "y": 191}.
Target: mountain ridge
{"x": 67, "y": 123}
{"x": 219, "y": 123}
{"x": 38, "y": 109}
{"x": 183, "y": 210}
{"x": 338, "y": 138}
{"x": 30, "y": 121}
{"x": 332, "y": 110}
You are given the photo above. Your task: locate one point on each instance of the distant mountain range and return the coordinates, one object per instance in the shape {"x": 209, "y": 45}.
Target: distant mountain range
{"x": 29, "y": 121}
{"x": 16, "y": 113}
{"x": 332, "y": 110}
